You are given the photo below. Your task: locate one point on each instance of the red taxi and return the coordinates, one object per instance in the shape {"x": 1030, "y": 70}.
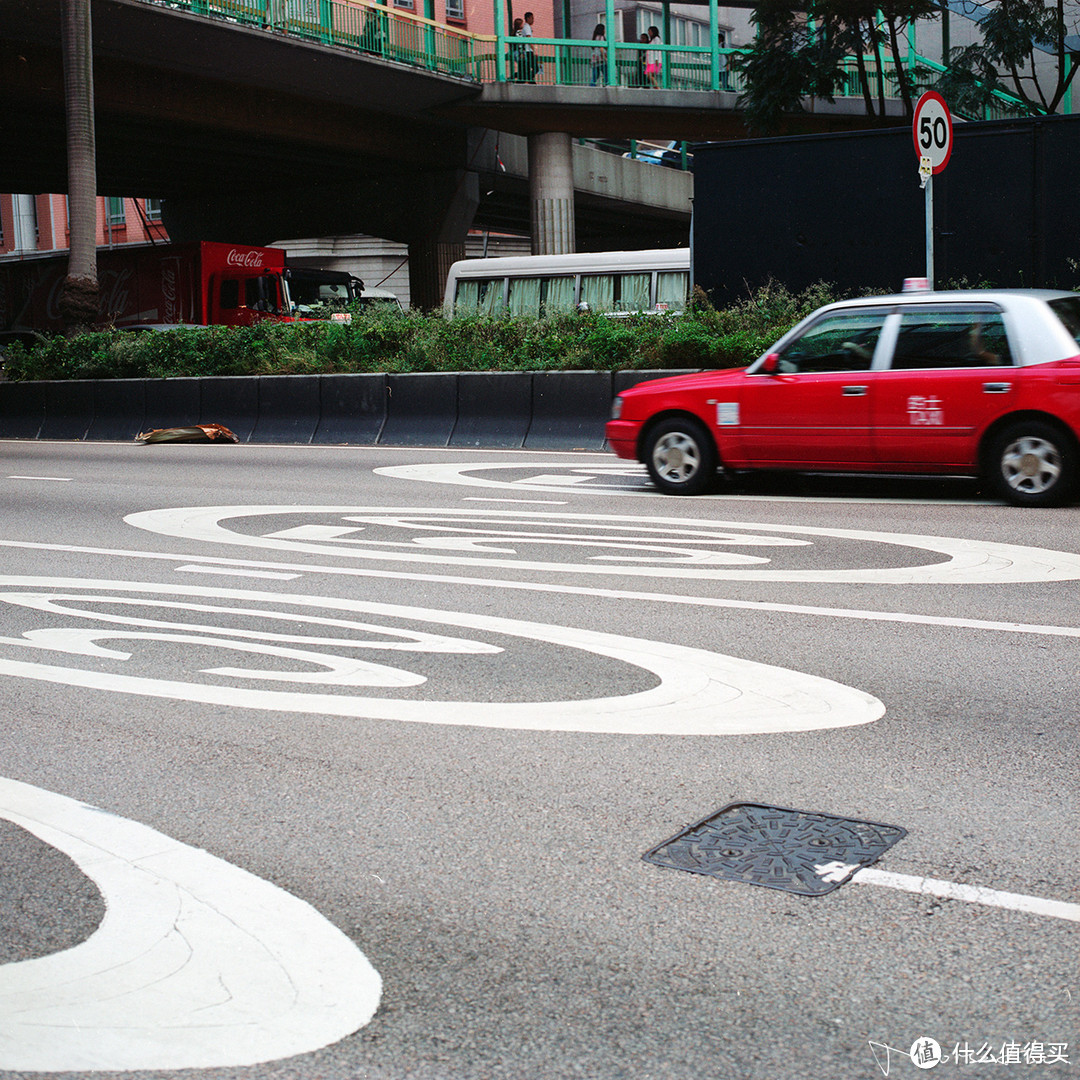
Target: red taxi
{"x": 978, "y": 383}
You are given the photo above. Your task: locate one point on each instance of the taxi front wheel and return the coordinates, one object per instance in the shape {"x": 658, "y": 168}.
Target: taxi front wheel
{"x": 1033, "y": 463}
{"x": 681, "y": 456}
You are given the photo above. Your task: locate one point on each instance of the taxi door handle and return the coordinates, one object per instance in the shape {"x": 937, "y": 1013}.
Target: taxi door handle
{"x": 996, "y": 387}
{"x": 854, "y": 391}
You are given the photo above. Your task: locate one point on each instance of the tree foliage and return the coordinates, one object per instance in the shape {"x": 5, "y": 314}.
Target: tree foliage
{"x": 821, "y": 48}
{"x": 1024, "y": 52}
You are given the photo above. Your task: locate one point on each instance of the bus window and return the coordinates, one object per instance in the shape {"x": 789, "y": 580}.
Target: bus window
{"x": 671, "y": 290}
{"x": 525, "y": 295}
{"x": 598, "y": 291}
{"x": 483, "y": 297}
{"x": 558, "y": 295}
{"x": 616, "y": 292}
{"x": 541, "y": 295}
{"x": 633, "y": 292}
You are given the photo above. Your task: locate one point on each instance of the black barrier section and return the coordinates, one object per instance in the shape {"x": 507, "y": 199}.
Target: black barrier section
{"x": 288, "y": 409}
{"x": 569, "y": 410}
{"x": 22, "y": 409}
{"x": 421, "y": 410}
{"x": 119, "y": 407}
{"x": 352, "y": 409}
{"x": 492, "y": 409}
{"x": 171, "y": 403}
{"x": 625, "y": 379}
{"x": 232, "y": 401}
{"x": 69, "y": 409}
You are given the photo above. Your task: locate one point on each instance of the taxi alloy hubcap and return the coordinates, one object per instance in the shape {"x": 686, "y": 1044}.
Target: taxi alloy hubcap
{"x": 1031, "y": 464}
{"x": 676, "y": 457}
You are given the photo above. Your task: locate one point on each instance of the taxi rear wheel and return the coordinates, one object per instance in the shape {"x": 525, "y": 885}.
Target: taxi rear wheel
{"x": 680, "y": 456}
{"x": 1033, "y": 463}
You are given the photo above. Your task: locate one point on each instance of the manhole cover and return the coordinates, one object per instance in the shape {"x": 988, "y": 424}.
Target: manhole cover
{"x": 793, "y": 850}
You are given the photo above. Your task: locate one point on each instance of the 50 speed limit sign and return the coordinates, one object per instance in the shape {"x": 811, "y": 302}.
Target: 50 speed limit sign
{"x": 932, "y": 130}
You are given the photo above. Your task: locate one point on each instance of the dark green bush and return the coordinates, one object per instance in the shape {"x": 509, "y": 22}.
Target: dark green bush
{"x": 701, "y": 337}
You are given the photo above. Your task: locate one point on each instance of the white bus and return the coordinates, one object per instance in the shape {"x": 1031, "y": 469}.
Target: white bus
{"x": 604, "y": 281}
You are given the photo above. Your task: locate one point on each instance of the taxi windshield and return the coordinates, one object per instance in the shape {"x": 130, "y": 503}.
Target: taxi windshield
{"x": 1067, "y": 309}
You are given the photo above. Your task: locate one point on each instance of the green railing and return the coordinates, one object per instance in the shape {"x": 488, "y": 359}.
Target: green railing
{"x": 398, "y": 35}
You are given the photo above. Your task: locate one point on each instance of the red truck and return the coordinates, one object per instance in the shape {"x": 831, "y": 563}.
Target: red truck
{"x": 146, "y": 287}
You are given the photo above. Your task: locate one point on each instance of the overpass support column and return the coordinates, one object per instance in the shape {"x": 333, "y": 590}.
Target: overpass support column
{"x": 551, "y": 193}
{"x": 430, "y": 260}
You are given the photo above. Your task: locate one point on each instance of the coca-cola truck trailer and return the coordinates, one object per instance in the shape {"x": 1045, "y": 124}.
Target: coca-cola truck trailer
{"x": 141, "y": 287}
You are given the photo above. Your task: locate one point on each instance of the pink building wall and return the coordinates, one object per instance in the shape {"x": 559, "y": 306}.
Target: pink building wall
{"x": 52, "y": 225}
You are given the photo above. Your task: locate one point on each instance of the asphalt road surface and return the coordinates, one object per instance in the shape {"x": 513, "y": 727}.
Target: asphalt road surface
{"x": 341, "y": 763}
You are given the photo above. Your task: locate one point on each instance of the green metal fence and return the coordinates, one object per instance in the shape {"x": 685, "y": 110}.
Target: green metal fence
{"x": 393, "y": 34}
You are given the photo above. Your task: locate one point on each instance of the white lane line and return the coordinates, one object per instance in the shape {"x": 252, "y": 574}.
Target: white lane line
{"x": 696, "y": 692}
{"x": 951, "y": 890}
{"x": 55, "y": 479}
{"x": 196, "y": 964}
{"x": 952, "y": 622}
{"x": 530, "y": 502}
{"x": 973, "y": 894}
{"x": 235, "y": 572}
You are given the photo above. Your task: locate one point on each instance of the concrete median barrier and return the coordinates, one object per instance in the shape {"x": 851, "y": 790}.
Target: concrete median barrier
{"x": 22, "y": 409}
{"x": 119, "y": 409}
{"x": 557, "y": 410}
{"x": 171, "y": 403}
{"x": 421, "y": 409}
{"x": 288, "y": 409}
{"x": 232, "y": 401}
{"x": 493, "y": 409}
{"x": 352, "y": 409}
{"x": 69, "y": 409}
{"x": 569, "y": 409}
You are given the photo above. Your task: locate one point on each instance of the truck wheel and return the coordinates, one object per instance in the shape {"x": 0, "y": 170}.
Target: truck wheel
{"x": 681, "y": 456}
{"x": 1033, "y": 463}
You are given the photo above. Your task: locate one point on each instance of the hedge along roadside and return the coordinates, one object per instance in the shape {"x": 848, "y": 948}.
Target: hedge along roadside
{"x": 416, "y": 342}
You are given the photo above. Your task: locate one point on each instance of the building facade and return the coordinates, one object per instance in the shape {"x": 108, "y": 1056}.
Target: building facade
{"x": 37, "y": 224}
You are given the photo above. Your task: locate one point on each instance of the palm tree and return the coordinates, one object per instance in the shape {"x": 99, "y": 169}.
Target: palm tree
{"x": 79, "y": 296}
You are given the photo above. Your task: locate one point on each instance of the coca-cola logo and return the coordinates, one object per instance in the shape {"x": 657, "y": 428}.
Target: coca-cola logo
{"x": 248, "y": 258}
{"x": 168, "y": 290}
{"x": 113, "y": 295}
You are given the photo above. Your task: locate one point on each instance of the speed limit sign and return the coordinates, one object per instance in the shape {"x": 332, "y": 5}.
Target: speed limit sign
{"x": 932, "y": 130}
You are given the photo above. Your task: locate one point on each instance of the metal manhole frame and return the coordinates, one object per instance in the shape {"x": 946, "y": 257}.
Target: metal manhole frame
{"x": 827, "y": 885}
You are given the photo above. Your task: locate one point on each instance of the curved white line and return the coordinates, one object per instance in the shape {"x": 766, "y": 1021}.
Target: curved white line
{"x": 196, "y": 964}
{"x": 962, "y": 562}
{"x": 456, "y": 474}
{"x": 699, "y": 692}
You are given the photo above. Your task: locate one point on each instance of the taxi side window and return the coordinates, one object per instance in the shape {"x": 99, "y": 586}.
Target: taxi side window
{"x": 951, "y": 339}
{"x": 843, "y": 341}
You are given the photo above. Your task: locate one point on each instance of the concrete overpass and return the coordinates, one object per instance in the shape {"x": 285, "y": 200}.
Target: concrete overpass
{"x": 248, "y": 135}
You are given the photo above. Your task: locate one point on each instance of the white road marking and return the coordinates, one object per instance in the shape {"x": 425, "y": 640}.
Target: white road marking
{"x": 530, "y": 502}
{"x": 951, "y": 890}
{"x": 697, "y": 692}
{"x": 236, "y": 572}
{"x": 548, "y": 479}
{"x": 458, "y": 474}
{"x": 196, "y": 964}
{"x": 862, "y": 615}
{"x": 961, "y": 561}
{"x": 54, "y": 479}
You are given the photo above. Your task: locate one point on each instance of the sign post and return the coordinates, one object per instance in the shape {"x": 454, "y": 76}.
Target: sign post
{"x": 933, "y": 134}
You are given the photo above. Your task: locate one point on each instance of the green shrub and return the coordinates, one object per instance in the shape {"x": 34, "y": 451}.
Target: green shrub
{"x": 701, "y": 337}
